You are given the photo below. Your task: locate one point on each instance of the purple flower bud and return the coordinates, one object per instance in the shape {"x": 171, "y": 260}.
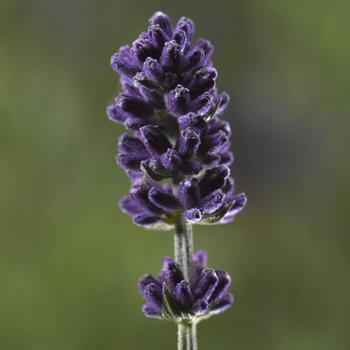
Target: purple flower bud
{"x": 116, "y": 114}
{"x": 146, "y": 220}
{"x": 189, "y": 142}
{"x": 212, "y": 202}
{"x": 187, "y": 25}
{"x": 205, "y": 285}
{"x": 170, "y": 160}
{"x": 132, "y": 145}
{"x": 171, "y": 272}
{"x": 134, "y": 106}
{"x": 183, "y": 293}
{"x": 178, "y": 101}
{"x": 181, "y": 38}
{"x": 206, "y": 46}
{"x": 213, "y": 179}
{"x": 188, "y": 193}
{"x": 163, "y": 200}
{"x": 170, "y": 57}
{"x": 224, "y": 281}
{"x": 222, "y": 305}
{"x": 123, "y": 62}
{"x": 161, "y": 19}
{"x": 154, "y": 139}
{"x": 157, "y": 36}
{"x": 140, "y": 194}
{"x": 153, "y": 70}
{"x": 128, "y": 162}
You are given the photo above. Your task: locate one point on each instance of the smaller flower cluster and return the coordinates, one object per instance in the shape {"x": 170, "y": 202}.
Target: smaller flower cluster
{"x": 170, "y": 296}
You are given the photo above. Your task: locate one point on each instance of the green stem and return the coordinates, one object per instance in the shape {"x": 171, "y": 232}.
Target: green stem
{"x": 183, "y": 242}
{"x": 187, "y": 336}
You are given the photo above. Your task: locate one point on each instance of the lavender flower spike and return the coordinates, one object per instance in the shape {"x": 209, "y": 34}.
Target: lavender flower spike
{"x": 176, "y": 152}
{"x": 171, "y": 297}
{"x": 171, "y": 107}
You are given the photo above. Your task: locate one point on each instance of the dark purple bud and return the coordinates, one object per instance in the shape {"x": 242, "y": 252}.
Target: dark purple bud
{"x": 146, "y": 280}
{"x": 128, "y": 161}
{"x": 224, "y": 101}
{"x": 203, "y": 80}
{"x": 115, "y": 114}
{"x": 170, "y": 160}
{"x": 152, "y": 311}
{"x": 224, "y": 282}
{"x": 211, "y": 160}
{"x": 181, "y": 38}
{"x": 142, "y": 48}
{"x": 140, "y": 79}
{"x": 140, "y": 194}
{"x": 146, "y": 220}
{"x": 187, "y": 25}
{"x": 134, "y": 106}
{"x": 202, "y": 103}
{"x": 123, "y": 62}
{"x": 157, "y": 36}
{"x": 200, "y": 306}
{"x": 153, "y": 294}
{"x": 132, "y": 144}
{"x": 134, "y": 123}
{"x": 172, "y": 273}
{"x": 188, "y": 143}
{"x": 130, "y": 206}
{"x": 229, "y": 186}
{"x": 200, "y": 259}
{"x": 163, "y": 200}
{"x": 205, "y": 285}
{"x": 194, "y": 58}
{"x": 206, "y": 45}
{"x": 194, "y": 121}
{"x": 222, "y": 305}
{"x": 154, "y": 169}
{"x": 191, "y": 167}
{"x": 193, "y": 215}
{"x": 163, "y": 21}
{"x": 170, "y": 80}
{"x": 218, "y": 142}
{"x": 154, "y": 139}
{"x": 153, "y": 70}
{"x": 183, "y": 293}
{"x": 188, "y": 193}
{"x": 170, "y": 57}
{"x": 227, "y": 158}
{"x": 152, "y": 97}
{"x": 213, "y": 179}
{"x": 178, "y": 101}
{"x": 219, "y": 125}
{"x": 239, "y": 202}
{"x": 212, "y": 202}
{"x": 199, "y": 263}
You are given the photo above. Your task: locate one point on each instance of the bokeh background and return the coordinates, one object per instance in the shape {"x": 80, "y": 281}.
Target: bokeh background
{"x": 69, "y": 260}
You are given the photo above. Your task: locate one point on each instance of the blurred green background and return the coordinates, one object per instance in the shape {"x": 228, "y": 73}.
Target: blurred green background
{"x": 69, "y": 259}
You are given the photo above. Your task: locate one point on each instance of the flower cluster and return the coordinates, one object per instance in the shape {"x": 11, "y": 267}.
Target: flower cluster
{"x": 177, "y": 152}
{"x": 169, "y": 296}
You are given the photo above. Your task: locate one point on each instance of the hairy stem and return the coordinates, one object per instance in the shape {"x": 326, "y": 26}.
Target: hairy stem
{"x": 187, "y": 336}
{"x": 183, "y": 242}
